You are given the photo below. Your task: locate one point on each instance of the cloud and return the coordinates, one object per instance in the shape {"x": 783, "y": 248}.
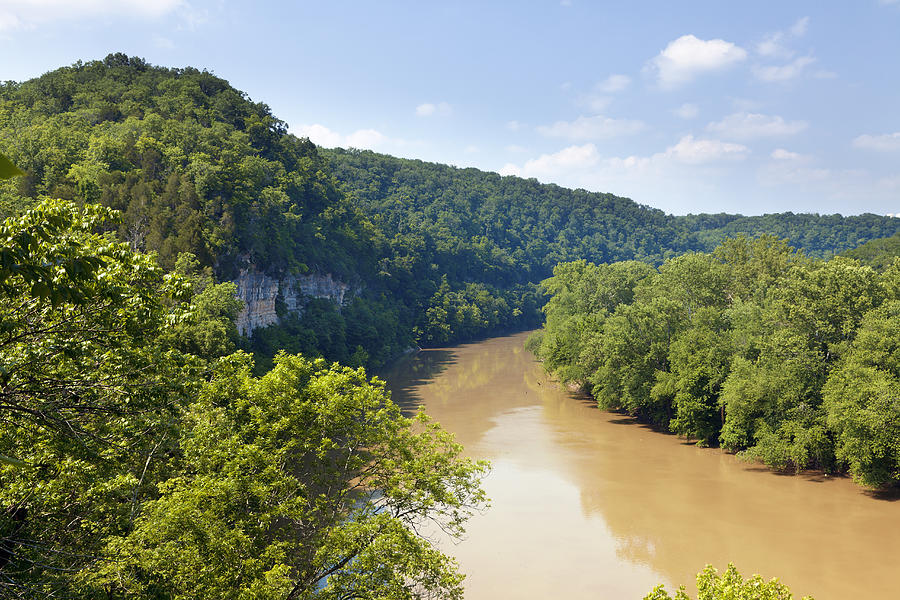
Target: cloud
{"x": 368, "y": 139}
{"x": 774, "y": 44}
{"x": 687, "y": 111}
{"x": 613, "y": 84}
{"x": 691, "y": 151}
{"x": 746, "y": 126}
{"x": 515, "y": 148}
{"x": 777, "y": 46}
{"x": 586, "y": 159}
{"x": 887, "y": 142}
{"x": 514, "y": 125}
{"x": 688, "y": 56}
{"x": 567, "y": 159}
{"x": 592, "y": 128}
{"x": 799, "y": 28}
{"x": 598, "y": 99}
{"x": 428, "y": 109}
{"x": 594, "y": 101}
{"x": 28, "y": 14}
{"x": 784, "y": 72}
{"x": 782, "y": 154}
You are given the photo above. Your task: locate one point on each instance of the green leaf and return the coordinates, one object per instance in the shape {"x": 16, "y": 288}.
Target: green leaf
{"x": 8, "y": 169}
{"x": 12, "y": 461}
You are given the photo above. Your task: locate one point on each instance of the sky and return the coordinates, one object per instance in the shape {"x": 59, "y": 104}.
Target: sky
{"x": 693, "y": 106}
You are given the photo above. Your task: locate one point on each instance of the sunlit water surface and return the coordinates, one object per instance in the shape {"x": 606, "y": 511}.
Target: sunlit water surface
{"x": 589, "y": 504}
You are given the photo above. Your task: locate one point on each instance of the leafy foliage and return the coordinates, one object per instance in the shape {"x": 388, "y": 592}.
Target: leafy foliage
{"x": 135, "y": 467}
{"x": 879, "y": 253}
{"x": 728, "y": 586}
{"x": 754, "y": 347}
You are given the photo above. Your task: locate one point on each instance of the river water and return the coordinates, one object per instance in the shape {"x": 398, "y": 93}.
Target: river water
{"x": 589, "y": 504}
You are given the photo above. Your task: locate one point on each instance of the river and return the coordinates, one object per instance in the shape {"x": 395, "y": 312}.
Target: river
{"x": 590, "y": 504}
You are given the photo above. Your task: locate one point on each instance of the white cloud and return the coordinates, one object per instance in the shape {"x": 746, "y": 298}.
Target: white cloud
{"x": 777, "y": 46}
{"x": 515, "y": 148}
{"x": 592, "y": 128}
{"x": 514, "y": 125}
{"x": 774, "y": 44}
{"x": 368, "y": 139}
{"x": 783, "y": 72}
{"x": 27, "y": 14}
{"x": 745, "y": 126}
{"x": 799, "y": 28}
{"x": 365, "y": 138}
{"x": 568, "y": 162}
{"x": 692, "y": 151}
{"x": 688, "y": 56}
{"x": 472, "y": 149}
{"x": 319, "y": 134}
{"x": 557, "y": 163}
{"x": 782, "y": 154}
{"x": 687, "y": 111}
{"x": 613, "y": 84}
{"x": 428, "y": 109}
{"x": 887, "y": 142}
{"x": 598, "y": 99}
{"x": 594, "y": 101}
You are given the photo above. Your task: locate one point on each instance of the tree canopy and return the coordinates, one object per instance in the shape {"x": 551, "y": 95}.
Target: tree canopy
{"x": 433, "y": 254}
{"x": 140, "y": 461}
{"x": 754, "y": 347}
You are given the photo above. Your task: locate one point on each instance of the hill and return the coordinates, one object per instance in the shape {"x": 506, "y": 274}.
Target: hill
{"x": 878, "y": 254}
{"x": 413, "y": 252}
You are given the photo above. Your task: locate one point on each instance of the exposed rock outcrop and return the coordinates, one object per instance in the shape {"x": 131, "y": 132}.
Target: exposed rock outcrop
{"x": 259, "y": 293}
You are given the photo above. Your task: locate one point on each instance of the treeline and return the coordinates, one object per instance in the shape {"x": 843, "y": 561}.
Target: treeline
{"x": 517, "y": 229}
{"x": 754, "y": 347}
{"x": 434, "y": 254}
{"x": 878, "y": 254}
{"x": 140, "y": 458}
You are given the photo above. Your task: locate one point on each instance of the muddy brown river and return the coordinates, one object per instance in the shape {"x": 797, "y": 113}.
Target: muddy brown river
{"x": 589, "y": 504}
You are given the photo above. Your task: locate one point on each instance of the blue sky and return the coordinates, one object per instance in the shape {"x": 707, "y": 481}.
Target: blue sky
{"x": 748, "y": 107}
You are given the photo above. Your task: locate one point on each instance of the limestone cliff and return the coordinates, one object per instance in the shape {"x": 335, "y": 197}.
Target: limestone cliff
{"x": 259, "y": 292}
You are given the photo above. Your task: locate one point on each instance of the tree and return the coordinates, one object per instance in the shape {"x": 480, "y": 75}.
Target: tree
{"x": 728, "y": 586}
{"x": 89, "y": 396}
{"x": 862, "y": 399}
{"x": 133, "y": 470}
{"x": 305, "y": 483}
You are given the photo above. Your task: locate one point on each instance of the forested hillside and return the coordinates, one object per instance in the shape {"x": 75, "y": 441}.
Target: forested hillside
{"x": 878, "y": 254}
{"x": 432, "y": 253}
{"x": 788, "y": 360}
{"x": 541, "y": 225}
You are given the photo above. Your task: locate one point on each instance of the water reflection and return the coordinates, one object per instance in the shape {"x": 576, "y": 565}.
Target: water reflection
{"x": 591, "y": 504}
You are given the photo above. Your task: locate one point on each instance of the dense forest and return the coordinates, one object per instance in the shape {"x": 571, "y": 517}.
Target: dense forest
{"x": 755, "y": 347}
{"x": 879, "y": 253}
{"x": 146, "y": 452}
{"x": 433, "y": 253}
{"x": 134, "y": 465}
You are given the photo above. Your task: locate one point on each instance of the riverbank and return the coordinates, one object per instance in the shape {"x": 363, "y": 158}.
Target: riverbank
{"x": 589, "y": 504}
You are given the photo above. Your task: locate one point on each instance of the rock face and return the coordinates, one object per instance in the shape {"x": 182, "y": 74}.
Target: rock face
{"x": 259, "y": 292}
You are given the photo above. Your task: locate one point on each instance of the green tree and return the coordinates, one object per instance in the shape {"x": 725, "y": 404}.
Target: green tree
{"x": 728, "y": 586}
{"x": 305, "y": 483}
{"x": 90, "y": 395}
{"x": 862, "y": 399}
